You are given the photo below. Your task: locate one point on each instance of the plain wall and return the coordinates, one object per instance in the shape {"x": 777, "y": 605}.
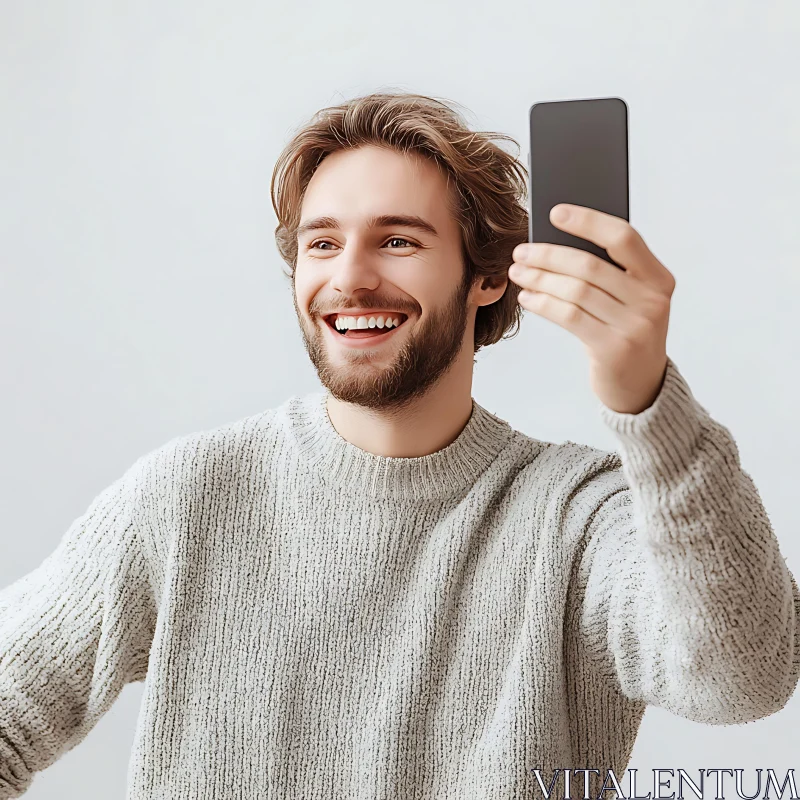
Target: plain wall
{"x": 142, "y": 294}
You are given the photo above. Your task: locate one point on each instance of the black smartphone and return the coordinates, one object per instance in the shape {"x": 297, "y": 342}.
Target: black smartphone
{"x": 578, "y": 154}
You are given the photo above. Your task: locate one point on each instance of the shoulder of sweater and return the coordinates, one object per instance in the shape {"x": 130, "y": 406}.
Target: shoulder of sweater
{"x": 569, "y": 460}
{"x": 576, "y": 478}
{"x": 224, "y": 447}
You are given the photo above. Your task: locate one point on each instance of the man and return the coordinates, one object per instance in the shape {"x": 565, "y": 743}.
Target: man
{"x": 382, "y": 590}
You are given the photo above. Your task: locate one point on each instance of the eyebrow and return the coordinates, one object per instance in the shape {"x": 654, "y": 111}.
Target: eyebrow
{"x": 375, "y": 221}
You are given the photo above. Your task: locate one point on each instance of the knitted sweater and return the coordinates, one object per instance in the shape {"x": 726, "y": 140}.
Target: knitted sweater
{"x": 313, "y": 621}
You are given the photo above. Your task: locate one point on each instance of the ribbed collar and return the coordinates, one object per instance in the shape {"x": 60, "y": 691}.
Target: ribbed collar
{"x": 343, "y": 466}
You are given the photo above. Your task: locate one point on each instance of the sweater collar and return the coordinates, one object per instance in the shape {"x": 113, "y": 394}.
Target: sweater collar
{"x": 343, "y": 466}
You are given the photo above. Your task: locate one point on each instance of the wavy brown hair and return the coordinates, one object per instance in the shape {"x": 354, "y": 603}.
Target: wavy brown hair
{"x": 487, "y": 184}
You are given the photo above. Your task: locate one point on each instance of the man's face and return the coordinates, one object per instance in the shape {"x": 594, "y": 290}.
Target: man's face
{"x": 391, "y": 270}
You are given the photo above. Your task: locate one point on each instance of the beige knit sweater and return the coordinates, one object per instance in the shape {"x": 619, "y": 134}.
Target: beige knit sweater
{"x": 314, "y": 621}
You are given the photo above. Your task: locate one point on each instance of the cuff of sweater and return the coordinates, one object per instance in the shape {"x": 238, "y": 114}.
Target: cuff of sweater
{"x": 661, "y": 441}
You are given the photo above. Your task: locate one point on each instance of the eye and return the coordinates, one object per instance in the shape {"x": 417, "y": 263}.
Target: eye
{"x": 400, "y": 239}
{"x": 392, "y": 239}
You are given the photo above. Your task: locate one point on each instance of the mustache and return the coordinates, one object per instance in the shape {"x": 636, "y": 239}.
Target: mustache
{"x": 366, "y": 301}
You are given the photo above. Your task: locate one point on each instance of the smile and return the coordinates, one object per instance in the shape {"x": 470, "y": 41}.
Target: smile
{"x": 361, "y": 337}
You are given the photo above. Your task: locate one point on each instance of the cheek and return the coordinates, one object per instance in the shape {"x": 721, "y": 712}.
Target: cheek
{"x": 416, "y": 280}
{"x": 305, "y": 290}
{"x": 428, "y": 290}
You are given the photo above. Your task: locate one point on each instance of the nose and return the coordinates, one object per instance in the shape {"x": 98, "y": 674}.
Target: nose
{"x": 352, "y": 271}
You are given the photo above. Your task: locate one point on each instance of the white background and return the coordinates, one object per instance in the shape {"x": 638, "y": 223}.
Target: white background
{"x": 142, "y": 295}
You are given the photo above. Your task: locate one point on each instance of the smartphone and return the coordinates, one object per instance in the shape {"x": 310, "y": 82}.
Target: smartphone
{"x": 578, "y": 154}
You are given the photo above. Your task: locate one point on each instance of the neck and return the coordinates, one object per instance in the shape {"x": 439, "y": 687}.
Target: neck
{"x": 426, "y": 426}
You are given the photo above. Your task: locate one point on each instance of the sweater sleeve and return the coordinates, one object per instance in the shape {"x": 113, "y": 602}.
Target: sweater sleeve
{"x": 687, "y": 602}
{"x": 73, "y": 632}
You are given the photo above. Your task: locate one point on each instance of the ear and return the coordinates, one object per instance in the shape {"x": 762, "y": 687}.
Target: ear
{"x": 491, "y": 289}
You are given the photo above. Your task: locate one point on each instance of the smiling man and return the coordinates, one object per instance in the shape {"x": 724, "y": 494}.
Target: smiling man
{"x": 379, "y": 245}
{"x": 382, "y": 590}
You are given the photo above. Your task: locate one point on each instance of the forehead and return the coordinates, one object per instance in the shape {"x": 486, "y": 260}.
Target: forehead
{"x": 360, "y": 182}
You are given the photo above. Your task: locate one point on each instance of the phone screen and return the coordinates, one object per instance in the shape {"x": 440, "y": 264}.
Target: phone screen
{"x": 578, "y": 154}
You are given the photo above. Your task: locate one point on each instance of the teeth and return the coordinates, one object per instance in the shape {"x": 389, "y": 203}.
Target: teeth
{"x": 359, "y": 323}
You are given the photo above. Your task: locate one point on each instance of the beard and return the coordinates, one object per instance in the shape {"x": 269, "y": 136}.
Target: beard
{"x": 427, "y": 353}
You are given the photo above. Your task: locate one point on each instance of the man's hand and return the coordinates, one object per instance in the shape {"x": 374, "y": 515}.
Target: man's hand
{"x": 621, "y": 316}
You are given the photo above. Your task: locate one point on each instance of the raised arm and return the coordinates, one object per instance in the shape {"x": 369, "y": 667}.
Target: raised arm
{"x": 686, "y": 600}
{"x": 73, "y": 632}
